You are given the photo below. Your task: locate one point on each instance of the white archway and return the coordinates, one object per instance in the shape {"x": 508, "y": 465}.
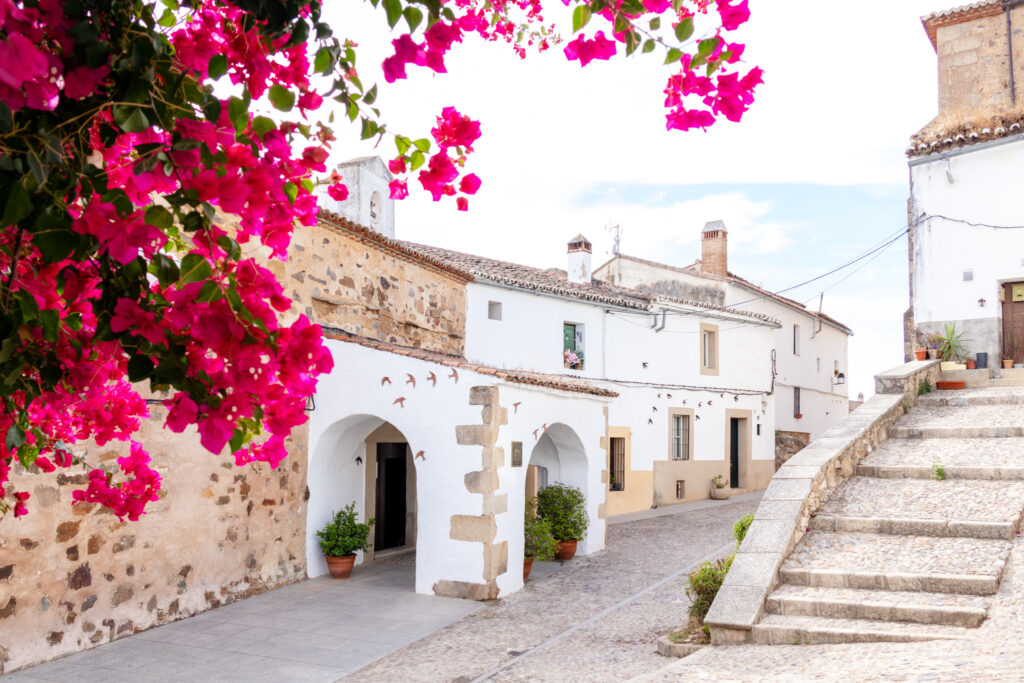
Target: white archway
{"x": 560, "y": 452}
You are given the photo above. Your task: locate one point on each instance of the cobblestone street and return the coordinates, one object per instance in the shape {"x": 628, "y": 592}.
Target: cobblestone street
{"x": 523, "y": 637}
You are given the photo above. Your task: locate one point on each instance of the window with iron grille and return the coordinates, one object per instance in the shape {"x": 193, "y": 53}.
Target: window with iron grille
{"x": 680, "y": 489}
{"x": 617, "y": 467}
{"x": 796, "y": 402}
{"x": 680, "y": 437}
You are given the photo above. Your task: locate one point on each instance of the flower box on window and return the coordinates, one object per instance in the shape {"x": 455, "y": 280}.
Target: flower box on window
{"x": 572, "y": 359}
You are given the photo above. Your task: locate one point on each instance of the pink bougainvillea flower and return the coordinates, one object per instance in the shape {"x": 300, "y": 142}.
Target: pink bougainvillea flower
{"x": 462, "y": 203}
{"x": 399, "y": 189}
{"x": 587, "y": 51}
{"x": 455, "y": 130}
{"x": 469, "y": 184}
{"x": 338, "y": 191}
{"x": 19, "y": 503}
{"x": 397, "y": 165}
{"x": 733, "y": 16}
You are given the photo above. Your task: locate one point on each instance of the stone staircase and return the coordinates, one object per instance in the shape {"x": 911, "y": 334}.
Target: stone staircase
{"x": 896, "y": 555}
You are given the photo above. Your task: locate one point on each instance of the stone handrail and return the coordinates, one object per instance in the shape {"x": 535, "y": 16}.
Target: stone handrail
{"x": 797, "y": 490}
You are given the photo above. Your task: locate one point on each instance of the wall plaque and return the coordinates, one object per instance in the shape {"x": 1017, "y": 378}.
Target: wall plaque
{"x": 517, "y": 454}
{"x": 1017, "y": 292}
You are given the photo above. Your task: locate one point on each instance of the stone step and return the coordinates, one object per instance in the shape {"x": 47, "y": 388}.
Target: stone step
{"x": 981, "y": 396}
{"x": 775, "y": 629}
{"x": 1001, "y": 459}
{"x": 924, "y": 507}
{"x": 967, "y": 611}
{"x": 983, "y": 421}
{"x": 897, "y": 563}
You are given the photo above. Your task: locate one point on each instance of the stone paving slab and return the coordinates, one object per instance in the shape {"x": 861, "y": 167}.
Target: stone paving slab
{"x": 974, "y": 396}
{"x": 1006, "y": 452}
{"x": 776, "y": 629}
{"x": 877, "y": 553}
{"x": 920, "y": 607}
{"x": 961, "y": 500}
{"x": 960, "y": 421}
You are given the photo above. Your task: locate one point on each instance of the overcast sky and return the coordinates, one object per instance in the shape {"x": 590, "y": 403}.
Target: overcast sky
{"x": 813, "y": 176}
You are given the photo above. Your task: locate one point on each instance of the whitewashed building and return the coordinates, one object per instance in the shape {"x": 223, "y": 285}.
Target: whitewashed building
{"x": 808, "y": 349}
{"x": 966, "y": 205}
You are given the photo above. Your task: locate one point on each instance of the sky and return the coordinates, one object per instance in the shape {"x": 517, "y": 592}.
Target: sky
{"x": 813, "y": 176}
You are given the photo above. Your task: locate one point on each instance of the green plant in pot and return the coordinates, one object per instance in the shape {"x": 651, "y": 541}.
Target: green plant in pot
{"x": 719, "y": 488}
{"x": 538, "y": 541}
{"x": 952, "y": 344}
{"x": 564, "y": 508}
{"x": 341, "y": 538}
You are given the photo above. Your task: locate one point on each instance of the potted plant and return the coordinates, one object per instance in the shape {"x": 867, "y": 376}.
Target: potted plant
{"x": 341, "y": 538}
{"x": 933, "y": 346}
{"x": 952, "y": 347}
{"x": 719, "y": 491}
{"x": 920, "y": 353}
{"x": 971, "y": 364}
{"x": 538, "y": 542}
{"x": 564, "y": 508}
{"x": 572, "y": 359}
{"x": 1009, "y": 351}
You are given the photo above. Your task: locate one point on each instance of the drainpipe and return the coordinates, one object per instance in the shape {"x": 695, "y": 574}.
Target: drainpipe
{"x": 661, "y": 325}
{"x": 1007, "y": 6}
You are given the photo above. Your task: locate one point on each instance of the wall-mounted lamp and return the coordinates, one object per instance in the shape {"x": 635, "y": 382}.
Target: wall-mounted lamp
{"x": 839, "y": 379}
{"x": 981, "y": 302}
{"x": 310, "y": 404}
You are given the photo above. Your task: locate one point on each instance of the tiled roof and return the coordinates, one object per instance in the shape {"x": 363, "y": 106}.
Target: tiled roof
{"x": 517, "y": 376}
{"x": 932, "y": 140}
{"x": 714, "y": 307}
{"x": 976, "y": 10}
{"x": 395, "y": 247}
{"x": 694, "y": 269}
{"x": 526, "y": 277}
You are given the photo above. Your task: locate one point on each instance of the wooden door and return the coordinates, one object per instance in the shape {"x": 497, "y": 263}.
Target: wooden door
{"x": 734, "y": 452}
{"x": 1013, "y": 321}
{"x": 389, "y": 530}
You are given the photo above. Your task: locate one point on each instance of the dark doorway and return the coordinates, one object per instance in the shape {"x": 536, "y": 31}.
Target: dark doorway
{"x": 734, "y": 452}
{"x": 389, "y": 530}
{"x": 1013, "y": 321}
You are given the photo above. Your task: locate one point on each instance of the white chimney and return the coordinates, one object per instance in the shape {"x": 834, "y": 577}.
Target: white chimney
{"x": 579, "y": 260}
{"x": 369, "y": 202}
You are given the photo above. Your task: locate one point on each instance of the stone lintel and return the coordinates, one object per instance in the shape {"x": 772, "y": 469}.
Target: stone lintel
{"x": 473, "y": 528}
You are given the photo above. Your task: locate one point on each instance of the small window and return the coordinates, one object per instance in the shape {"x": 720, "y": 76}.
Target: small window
{"x": 796, "y": 340}
{"x": 494, "y": 310}
{"x": 617, "y": 467}
{"x": 759, "y": 429}
{"x": 835, "y": 366}
{"x": 680, "y": 489}
{"x": 819, "y": 364}
{"x": 572, "y": 346}
{"x": 708, "y": 349}
{"x": 680, "y": 437}
{"x": 796, "y": 402}
{"x": 968, "y": 275}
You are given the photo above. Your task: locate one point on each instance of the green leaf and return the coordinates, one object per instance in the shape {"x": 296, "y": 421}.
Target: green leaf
{"x": 194, "y": 267}
{"x": 139, "y": 368}
{"x": 655, "y": 23}
{"x": 281, "y": 97}
{"x": 230, "y": 247}
{"x": 416, "y": 160}
{"x": 35, "y": 164}
{"x": 684, "y": 29}
{"x": 648, "y": 45}
{"x": 291, "y": 190}
{"x": 674, "y": 55}
{"x": 167, "y": 19}
{"x": 422, "y": 145}
{"x": 165, "y": 269}
{"x": 210, "y": 292}
{"x": 632, "y": 42}
{"x": 18, "y": 206}
{"x": 27, "y": 455}
{"x": 218, "y": 66}
{"x": 621, "y": 23}
{"x": 261, "y": 125}
{"x": 238, "y": 112}
{"x": 580, "y": 18}
{"x": 159, "y": 217}
{"x": 413, "y": 17}
{"x": 707, "y": 46}
{"x": 393, "y": 10}
{"x": 130, "y": 119}
{"x": 402, "y": 144}
{"x": 15, "y": 437}
{"x": 211, "y": 110}
{"x": 371, "y": 95}
{"x": 51, "y": 322}
{"x": 323, "y": 61}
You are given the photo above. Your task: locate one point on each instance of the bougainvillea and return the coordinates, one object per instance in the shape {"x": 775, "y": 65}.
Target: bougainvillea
{"x": 133, "y": 168}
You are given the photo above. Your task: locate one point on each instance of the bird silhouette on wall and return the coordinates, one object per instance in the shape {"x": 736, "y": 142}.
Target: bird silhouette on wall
{"x": 700, "y": 404}
{"x": 650, "y": 420}
{"x": 668, "y": 395}
{"x": 411, "y": 380}
{"x": 432, "y": 378}
{"x": 684, "y": 401}
{"x": 736, "y": 399}
{"x": 454, "y": 375}
{"x": 544, "y": 427}
{"x": 719, "y": 396}
{"x": 654, "y": 408}
{"x": 709, "y": 402}
{"x": 659, "y": 395}
{"x": 385, "y": 380}
{"x": 420, "y": 455}
{"x": 697, "y": 416}
{"x": 645, "y": 364}
{"x": 399, "y": 401}
{"x": 535, "y": 434}
{"x": 515, "y": 407}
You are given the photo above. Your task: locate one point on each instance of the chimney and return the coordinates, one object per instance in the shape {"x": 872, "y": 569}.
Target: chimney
{"x": 579, "y": 260}
{"x": 369, "y": 202}
{"x": 714, "y": 258}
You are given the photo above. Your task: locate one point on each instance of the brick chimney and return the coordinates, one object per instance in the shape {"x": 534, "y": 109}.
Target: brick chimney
{"x": 579, "y": 260}
{"x": 714, "y": 259}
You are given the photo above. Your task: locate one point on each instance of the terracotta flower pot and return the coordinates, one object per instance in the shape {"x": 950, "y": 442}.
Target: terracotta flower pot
{"x": 921, "y": 354}
{"x": 527, "y": 567}
{"x": 950, "y": 384}
{"x": 566, "y": 550}
{"x": 971, "y": 364}
{"x": 1007, "y": 363}
{"x": 340, "y": 567}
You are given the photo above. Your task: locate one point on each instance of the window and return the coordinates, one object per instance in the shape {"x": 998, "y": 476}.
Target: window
{"x": 494, "y": 310}
{"x": 708, "y": 349}
{"x": 572, "y": 346}
{"x": 759, "y": 429}
{"x": 796, "y": 402}
{"x": 796, "y": 340}
{"x": 617, "y": 467}
{"x": 680, "y": 437}
{"x": 819, "y": 364}
{"x": 680, "y": 489}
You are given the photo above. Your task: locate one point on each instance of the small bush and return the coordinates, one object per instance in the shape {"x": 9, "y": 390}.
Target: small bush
{"x": 924, "y": 387}
{"x": 938, "y": 471}
{"x": 565, "y": 510}
{"x": 538, "y": 540}
{"x": 343, "y": 535}
{"x": 718, "y": 481}
{"x": 739, "y": 530}
{"x": 703, "y": 586}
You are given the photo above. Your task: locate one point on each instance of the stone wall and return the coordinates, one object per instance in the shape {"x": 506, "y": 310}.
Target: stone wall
{"x": 796, "y": 491}
{"x": 348, "y": 280}
{"x": 72, "y": 577}
{"x": 788, "y": 444}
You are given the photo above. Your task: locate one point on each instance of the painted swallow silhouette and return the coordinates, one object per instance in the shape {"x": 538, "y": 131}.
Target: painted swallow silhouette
{"x": 645, "y": 363}
{"x": 432, "y": 378}
{"x": 420, "y": 456}
{"x": 399, "y": 401}
{"x": 650, "y": 420}
{"x": 535, "y": 433}
{"x": 411, "y": 380}
{"x": 385, "y": 380}
{"x": 668, "y": 395}
{"x": 515, "y": 407}
{"x": 454, "y": 375}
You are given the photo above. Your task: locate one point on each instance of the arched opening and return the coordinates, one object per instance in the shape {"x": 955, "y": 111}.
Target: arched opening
{"x": 368, "y": 461}
{"x": 558, "y": 456}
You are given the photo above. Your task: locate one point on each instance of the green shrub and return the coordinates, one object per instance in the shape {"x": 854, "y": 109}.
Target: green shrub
{"x": 538, "y": 540}
{"x": 952, "y": 344}
{"x": 343, "y": 535}
{"x": 565, "y": 510}
{"x": 703, "y": 586}
{"x": 924, "y": 387}
{"x": 739, "y": 530}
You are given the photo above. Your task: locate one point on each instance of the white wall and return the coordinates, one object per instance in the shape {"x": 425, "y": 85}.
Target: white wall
{"x": 985, "y": 189}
